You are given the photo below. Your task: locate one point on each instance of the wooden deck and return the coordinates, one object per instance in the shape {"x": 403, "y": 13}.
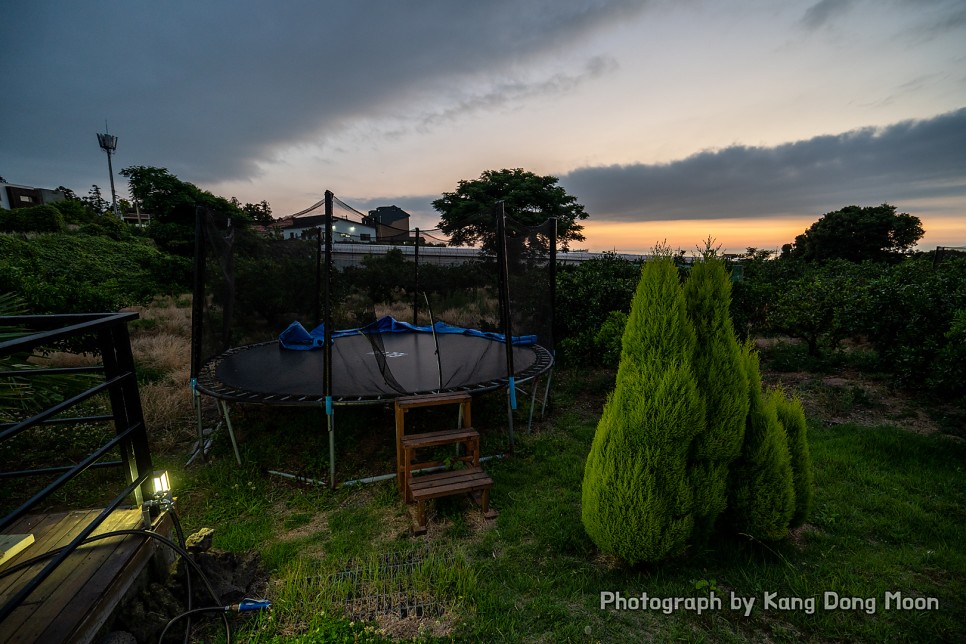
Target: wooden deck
{"x": 79, "y": 596}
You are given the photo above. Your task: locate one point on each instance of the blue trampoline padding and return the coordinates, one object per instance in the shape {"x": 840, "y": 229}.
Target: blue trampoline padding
{"x": 295, "y": 337}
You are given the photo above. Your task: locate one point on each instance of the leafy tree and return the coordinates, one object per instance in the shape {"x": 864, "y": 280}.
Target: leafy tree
{"x": 823, "y": 306}
{"x": 722, "y": 381}
{"x": 171, "y": 203}
{"x": 260, "y": 213}
{"x": 857, "y": 234}
{"x": 587, "y": 294}
{"x": 466, "y": 214}
{"x": 637, "y": 501}
{"x": 69, "y": 195}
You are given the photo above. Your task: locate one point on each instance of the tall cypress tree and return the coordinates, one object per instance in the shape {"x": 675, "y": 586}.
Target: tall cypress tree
{"x": 792, "y": 417}
{"x": 637, "y": 496}
{"x": 762, "y": 494}
{"x": 722, "y": 381}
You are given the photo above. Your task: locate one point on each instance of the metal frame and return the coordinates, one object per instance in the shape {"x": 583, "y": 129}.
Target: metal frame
{"x": 110, "y": 333}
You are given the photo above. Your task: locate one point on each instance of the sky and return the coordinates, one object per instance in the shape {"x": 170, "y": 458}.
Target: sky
{"x": 669, "y": 120}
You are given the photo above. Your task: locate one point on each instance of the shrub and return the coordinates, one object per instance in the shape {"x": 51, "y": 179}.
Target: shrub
{"x": 64, "y": 273}
{"x": 636, "y": 496}
{"x": 762, "y": 492}
{"x": 586, "y": 294}
{"x": 38, "y": 219}
{"x": 723, "y": 384}
{"x": 608, "y": 338}
{"x": 792, "y": 417}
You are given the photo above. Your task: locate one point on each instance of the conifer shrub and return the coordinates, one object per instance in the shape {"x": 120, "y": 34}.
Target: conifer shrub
{"x": 792, "y": 417}
{"x": 721, "y": 378}
{"x": 762, "y": 492}
{"x": 637, "y": 500}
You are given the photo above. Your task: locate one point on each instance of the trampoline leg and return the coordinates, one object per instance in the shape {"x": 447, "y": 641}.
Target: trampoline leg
{"x": 201, "y": 427}
{"x": 533, "y": 402}
{"x": 231, "y": 430}
{"x": 546, "y": 393}
{"x": 509, "y": 418}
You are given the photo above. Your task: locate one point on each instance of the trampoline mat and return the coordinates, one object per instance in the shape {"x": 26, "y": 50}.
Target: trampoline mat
{"x": 406, "y": 364}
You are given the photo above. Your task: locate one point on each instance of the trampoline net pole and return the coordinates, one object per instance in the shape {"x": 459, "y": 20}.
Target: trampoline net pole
{"x": 505, "y": 314}
{"x": 327, "y": 337}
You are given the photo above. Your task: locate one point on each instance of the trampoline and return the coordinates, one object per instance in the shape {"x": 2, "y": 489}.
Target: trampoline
{"x": 375, "y": 363}
{"x": 372, "y": 365}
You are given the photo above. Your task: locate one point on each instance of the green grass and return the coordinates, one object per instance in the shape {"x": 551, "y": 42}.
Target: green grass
{"x": 889, "y": 512}
{"x": 888, "y": 518}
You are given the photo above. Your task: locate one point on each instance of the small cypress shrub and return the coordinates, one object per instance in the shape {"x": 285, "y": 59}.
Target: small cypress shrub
{"x": 762, "y": 492}
{"x": 636, "y": 495}
{"x": 792, "y": 418}
{"x": 722, "y": 381}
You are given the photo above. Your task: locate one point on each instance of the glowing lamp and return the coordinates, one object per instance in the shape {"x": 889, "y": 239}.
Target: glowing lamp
{"x": 161, "y": 485}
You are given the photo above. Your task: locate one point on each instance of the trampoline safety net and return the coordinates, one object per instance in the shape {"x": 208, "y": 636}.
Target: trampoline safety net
{"x": 251, "y": 285}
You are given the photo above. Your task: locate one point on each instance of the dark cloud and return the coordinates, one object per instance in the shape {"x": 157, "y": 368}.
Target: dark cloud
{"x": 895, "y": 164}
{"x": 208, "y": 89}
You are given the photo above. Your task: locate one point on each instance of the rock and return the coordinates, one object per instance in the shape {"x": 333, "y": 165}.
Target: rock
{"x": 200, "y": 541}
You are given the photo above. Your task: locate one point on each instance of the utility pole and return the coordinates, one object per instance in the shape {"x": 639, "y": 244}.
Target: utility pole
{"x": 108, "y": 143}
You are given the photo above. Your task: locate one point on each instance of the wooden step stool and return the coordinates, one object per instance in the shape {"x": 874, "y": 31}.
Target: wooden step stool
{"x": 419, "y": 489}
{"x": 431, "y": 486}
{"x": 411, "y": 402}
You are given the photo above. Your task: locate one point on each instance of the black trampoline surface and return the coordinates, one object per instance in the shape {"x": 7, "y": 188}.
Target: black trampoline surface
{"x": 405, "y": 364}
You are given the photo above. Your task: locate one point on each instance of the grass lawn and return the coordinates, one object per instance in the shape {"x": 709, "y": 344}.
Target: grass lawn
{"x": 883, "y": 558}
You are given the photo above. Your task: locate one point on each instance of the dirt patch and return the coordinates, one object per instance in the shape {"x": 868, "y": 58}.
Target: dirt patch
{"x": 853, "y": 397}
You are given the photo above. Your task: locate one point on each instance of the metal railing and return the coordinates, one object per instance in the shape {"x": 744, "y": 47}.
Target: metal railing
{"x": 109, "y": 333}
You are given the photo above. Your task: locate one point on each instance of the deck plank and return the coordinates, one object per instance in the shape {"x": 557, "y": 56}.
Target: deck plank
{"x": 79, "y": 596}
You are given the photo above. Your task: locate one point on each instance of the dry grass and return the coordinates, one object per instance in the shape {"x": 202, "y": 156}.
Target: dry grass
{"x": 161, "y": 342}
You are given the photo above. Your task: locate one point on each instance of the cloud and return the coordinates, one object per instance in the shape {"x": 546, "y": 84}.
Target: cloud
{"x": 909, "y": 160}
{"x": 209, "y": 89}
{"x": 823, "y": 12}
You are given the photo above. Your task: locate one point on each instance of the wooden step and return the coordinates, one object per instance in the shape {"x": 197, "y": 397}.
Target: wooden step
{"x": 444, "y": 437}
{"x": 431, "y": 400}
{"x": 449, "y": 483}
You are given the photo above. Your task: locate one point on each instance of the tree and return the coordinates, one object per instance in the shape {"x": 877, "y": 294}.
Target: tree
{"x": 171, "y": 203}
{"x": 637, "y": 500}
{"x": 792, "y": 417}
{"x": 95, "y": 201}
{"x": 261, "y": 212}
{"x": 466, "y": 215}
{"x": 721, "y": 378}
{"x": 762, "y": 489}
{"x": 857, "y": 234}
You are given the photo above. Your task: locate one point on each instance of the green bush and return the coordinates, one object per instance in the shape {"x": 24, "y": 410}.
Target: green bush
{"x": 36, "y": 219}
{"x": 762, "y": 492}
{"x": 608, "y": 338}
{"x": 910, "y": 318}
{"x": 792, "y": 417}
{"x": 636, "y": 497}
{"x": 66, "y": 273}
{"x": 586, "y": 294}
{"x": 721, "y": 379}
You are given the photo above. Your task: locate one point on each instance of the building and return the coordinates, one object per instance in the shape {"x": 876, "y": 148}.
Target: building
{"x": 344, "y": 230}
{"x": 15, "y": 196}
{"x": 391, "y": 224}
